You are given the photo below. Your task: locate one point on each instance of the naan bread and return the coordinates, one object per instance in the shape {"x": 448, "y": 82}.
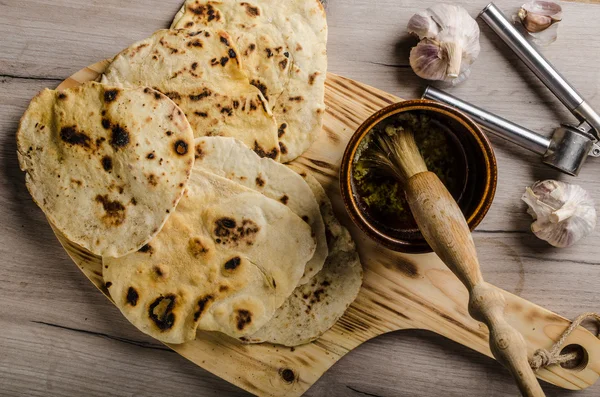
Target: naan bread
{"x": 106, "y": 165}
{"x": 226, "y": 259}
{"x": 201, "y": 72}
{"x": 282, "y": 44}
{"x": 230, "y": 159}
{"x": 315, "y": 307}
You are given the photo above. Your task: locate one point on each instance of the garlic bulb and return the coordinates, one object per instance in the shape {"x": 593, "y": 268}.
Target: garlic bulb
{"x": 563, "y": 213}
{"x": 449, "y": 43}
{"x": 540, "y": 19}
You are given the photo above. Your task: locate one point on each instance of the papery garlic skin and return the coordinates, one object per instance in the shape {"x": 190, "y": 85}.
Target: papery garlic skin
{"x": 564, "y": 213}
{"x": 449, "y": 43}
{"x": 540, "y": 19}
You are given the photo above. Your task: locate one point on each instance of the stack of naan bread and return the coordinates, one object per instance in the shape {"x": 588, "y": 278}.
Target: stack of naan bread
{"x": 169, "y": 169}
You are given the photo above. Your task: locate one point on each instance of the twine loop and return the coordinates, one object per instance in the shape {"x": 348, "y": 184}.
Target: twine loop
{"x": 543, "y": 358}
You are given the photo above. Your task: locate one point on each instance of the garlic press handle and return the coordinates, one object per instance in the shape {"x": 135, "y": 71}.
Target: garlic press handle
{"x": 566, "y": 150}
{"x": 495, "y": 124}
{"x": 539, "y": 65}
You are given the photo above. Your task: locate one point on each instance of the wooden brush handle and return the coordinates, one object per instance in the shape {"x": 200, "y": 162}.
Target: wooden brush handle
{"x": 443, "y": 225}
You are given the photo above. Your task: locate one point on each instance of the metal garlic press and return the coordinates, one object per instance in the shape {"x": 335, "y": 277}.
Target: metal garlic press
{"x": 570, "y": 145}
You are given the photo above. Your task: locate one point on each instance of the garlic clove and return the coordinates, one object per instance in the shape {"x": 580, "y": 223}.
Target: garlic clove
{"x": 422, "y": 26}
{"x": 547, "y": 8}
{"x": 449, "y": 43}
{"x": 540, "y": 18}
{"x": 534, "y": 23}
{"x": 563, "y": 213}
{"x": 427, "y": 60}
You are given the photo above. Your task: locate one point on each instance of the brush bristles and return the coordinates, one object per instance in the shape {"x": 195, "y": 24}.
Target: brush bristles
{"x": 398, "y": 155}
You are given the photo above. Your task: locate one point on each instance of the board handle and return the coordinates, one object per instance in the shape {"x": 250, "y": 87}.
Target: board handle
{"x": 443, "y": 225}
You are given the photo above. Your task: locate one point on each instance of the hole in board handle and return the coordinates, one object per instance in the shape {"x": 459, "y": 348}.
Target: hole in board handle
{"x": 579, "y": 362}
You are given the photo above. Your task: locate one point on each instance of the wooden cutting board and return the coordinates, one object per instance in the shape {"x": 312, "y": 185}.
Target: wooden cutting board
{"x": 400, "y": 291}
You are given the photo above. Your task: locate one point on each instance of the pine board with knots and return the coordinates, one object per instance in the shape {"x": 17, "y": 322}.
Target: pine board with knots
{"x": 61, "y": 337}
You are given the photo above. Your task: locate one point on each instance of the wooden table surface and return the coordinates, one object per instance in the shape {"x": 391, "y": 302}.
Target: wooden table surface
{"x": 61, "y": 337}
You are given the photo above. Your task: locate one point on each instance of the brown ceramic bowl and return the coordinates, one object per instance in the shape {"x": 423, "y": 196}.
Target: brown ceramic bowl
{"x": 478, "y": 188}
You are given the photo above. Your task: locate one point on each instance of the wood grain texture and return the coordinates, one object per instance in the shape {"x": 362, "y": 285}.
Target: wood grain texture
{"x": 61, "y": 338}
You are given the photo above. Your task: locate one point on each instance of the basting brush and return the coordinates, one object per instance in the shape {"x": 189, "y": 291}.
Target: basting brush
{"x": 445, "y": 228}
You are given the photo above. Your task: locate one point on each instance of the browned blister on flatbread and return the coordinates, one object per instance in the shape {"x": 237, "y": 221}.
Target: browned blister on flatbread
{"x": 106, "y": 165}
{"x": 226, "y": 259}
{"x": 201, "y": 71}
{"x": 282, "y": 45}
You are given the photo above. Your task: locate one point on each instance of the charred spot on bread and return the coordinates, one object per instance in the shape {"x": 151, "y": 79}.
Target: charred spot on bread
{"x": 281, "y": 130}
{"x": 197, "y": 97}
{"x": 132, "y": 296}
{"x": 203, "y": 303}
{"x": 282, "y": 148}
{"x": 119, "y": 137}
{"x": 233, "y": 263}
{"x": 261, "y": 87}
{"x": 160, "y": 271}
{"x": 161, "y": 311}
{"x": 312, "y": 77}
{"x": 243, "y": 318}
{"x": 199, "y": 153}
{"x": 233, "y": 233}
{"x": 250, "y": 49}
{"x": 114, "y": 210}
{"x": 181, "y": 147}
{"x": 250, "y": 9}
{"x": 223, "y": 226}
{"x": 111, "y": 95}
{"x": 174, "y": 96}
{"x": 72, "y": 136}
{"x": 262, "y": 153}
{"x": 196, "y": 248}
{"x": 107, "y": 163}
{"x": 146, "y": 249}
{"x": 152, "y": 180}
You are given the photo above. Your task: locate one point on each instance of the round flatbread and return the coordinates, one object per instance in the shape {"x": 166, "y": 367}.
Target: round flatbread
{"x": 226, "y": 259}
{"x": 202, "y": 73}
{"x": 230, "y": 159}
{"x": 283, "y": 49}
{"x": 106, "y": 165}
{"x": 315, "y": 307}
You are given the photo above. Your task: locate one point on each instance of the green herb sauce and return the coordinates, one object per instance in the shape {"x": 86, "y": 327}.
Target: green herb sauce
{"x": 380, "y": 195}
